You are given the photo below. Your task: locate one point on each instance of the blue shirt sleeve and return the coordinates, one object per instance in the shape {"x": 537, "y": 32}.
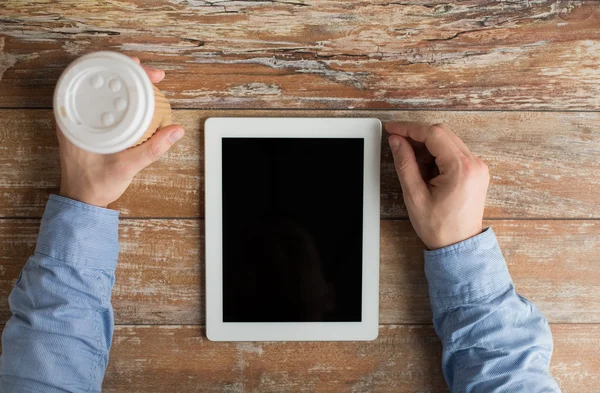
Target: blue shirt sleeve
{"x": 494, "y": 340}
{"x": 59, "y": 336}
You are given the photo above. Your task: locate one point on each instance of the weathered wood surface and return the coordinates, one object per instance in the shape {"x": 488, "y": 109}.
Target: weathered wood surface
{"x": 495, "y": 54}
{"x": 176, "y": 358}
{"x": 160, "y": 276}
{"x": 543, "y": 165}
{"x": 522, "y": 55}
{"x": 403, "y": 359}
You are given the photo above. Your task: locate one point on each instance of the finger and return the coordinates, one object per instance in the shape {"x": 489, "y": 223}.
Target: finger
{"x": 457, "y": 141}
{"x": 407, "y": 168}
{"x": 60, "y": 134}
{"x": 139, "y": 157}
{"x": 155, "y": 74}
{"x": 435, "y": 139}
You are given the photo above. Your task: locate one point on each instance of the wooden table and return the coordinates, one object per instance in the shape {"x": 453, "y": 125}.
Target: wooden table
{"x": 517, "y": 80}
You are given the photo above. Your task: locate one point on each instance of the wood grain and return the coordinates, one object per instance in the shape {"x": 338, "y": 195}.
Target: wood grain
{"x": 175, "y": 358}
{"x": 160, "y": 276}
{"x": 543, "y": 165}
{"x": 334, "y": 54}
{"x": 403, "y": 359}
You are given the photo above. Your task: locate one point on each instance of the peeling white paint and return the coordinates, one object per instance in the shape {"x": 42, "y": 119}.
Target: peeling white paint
{"x": 156, "y": 48}
{"x": 7, "y": 60}
{"x": 76, "y": 48}
{"x": 255, "y": 89}
{"x": 248, "y": 347}
{"x": 299, "y": 66}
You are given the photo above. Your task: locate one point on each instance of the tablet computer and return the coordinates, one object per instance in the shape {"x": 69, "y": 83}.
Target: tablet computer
{"x": 292, "y": 229}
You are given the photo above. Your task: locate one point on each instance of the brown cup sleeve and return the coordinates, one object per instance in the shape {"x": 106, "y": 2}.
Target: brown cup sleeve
{"x": 162, "y": 117}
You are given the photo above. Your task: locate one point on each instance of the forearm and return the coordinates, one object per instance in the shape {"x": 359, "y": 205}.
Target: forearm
{"x": 60, "y": 333}
{"x": 493, "y": 339}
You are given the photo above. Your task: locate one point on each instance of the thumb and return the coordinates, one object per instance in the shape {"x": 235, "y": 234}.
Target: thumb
{"x": 143, "y": 155}
{"x": 407, "y": 168}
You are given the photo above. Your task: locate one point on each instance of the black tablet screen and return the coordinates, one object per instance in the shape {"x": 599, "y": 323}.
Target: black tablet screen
{"x": 292, "y": 229}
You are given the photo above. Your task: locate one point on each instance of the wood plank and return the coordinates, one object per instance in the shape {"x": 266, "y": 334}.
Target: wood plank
{"x": 403, "y": 359}
{"x": 524, "y": 54}
{"x": 181, "y": 359}
{"x": 543, "y": 165}
{"x": 30, "y": 170}
{"x": 154, "y": 359}
{"x": 160, "y": 276}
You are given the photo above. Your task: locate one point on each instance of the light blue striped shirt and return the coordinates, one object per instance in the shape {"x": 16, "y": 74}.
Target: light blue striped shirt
{"x": 59, "y": 337}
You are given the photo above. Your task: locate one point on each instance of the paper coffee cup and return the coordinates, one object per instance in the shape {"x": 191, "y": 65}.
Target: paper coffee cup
{"x": 104, "y": 102}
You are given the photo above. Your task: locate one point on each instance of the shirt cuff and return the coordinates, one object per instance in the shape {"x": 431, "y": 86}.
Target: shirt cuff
{"x": 79, "y": 234}
{"x": 466, "y": 272}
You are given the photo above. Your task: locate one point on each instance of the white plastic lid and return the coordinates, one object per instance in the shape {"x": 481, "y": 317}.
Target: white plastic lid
{"x": 104, "y": 102}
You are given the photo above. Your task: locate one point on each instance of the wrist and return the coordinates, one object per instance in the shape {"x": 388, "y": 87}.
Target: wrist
{"x": 81, "y": 197}
{"x": 456, "y": 236}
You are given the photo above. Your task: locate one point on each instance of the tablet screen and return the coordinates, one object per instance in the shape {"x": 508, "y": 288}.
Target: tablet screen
{"x": 292, "y": 229}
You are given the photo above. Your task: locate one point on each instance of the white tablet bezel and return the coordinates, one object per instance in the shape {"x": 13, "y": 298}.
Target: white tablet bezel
{"x": 217, "y": 128}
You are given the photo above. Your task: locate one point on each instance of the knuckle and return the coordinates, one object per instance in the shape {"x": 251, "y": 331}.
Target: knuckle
{"x": 436, "y": 129}
{"x": 465, "y": 162}
{"x": 466, "y": 166}
{"x": 486, "y": 173}
{"x": 401, "y": 165}
{"x": 436, "y": 132}
{"x": 482, "y": 167}
{"x": 442, "y": 126}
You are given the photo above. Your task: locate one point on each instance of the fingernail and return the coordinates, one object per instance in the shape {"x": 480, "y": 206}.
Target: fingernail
{"x": 394, "y": 142}
{"x": 176, "y": 135}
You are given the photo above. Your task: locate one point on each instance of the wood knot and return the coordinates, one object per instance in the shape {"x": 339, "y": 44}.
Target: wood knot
{"x": 575, "y": 11}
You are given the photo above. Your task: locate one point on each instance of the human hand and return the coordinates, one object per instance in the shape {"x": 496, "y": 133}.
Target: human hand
{"x": 98, "y": 179}
{"x": 444, "y": 184}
